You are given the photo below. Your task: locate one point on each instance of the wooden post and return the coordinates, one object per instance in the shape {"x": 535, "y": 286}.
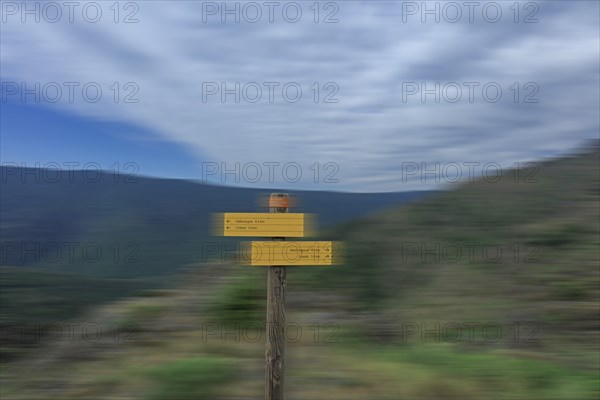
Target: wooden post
{"x": 275, "y": 351}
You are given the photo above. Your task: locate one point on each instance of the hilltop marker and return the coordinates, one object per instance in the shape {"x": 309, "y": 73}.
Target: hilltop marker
{"x": 275, "y": 255}
{"x": 264, "y": 224}
{"x": 276, "y": 282}
{"x": 291, "y": 253}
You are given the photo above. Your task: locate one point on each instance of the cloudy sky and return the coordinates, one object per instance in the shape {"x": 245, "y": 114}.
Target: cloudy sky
{"x": 354, "y": 95}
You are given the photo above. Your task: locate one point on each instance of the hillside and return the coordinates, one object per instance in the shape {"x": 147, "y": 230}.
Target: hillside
{"x": 117, "y": 228}
{"x": 490, "y": 290}
{"x": 504, "y": 252}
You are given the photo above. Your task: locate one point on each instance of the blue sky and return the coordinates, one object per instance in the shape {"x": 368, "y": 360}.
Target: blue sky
{"x": 45, "y": 137}
{"x": 364, "y": 124}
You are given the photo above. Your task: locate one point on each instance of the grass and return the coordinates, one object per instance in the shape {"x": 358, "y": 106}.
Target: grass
{"x": 443, "y": 371}
{"x": 242, "y": 301}
{"x": 373, "y": 291}
{"x": 197, "y": 378}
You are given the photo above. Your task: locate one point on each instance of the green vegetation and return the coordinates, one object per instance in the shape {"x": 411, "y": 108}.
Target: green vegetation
{"x": 520, "y": 255}
{"x": 34, "y": 295}
{"x": 144, "y": 227}
{"x": 443, "y": 371}
{"x": 242, "y": 301}
{"x": 510, "y": 244}
{"x": 196, "y": 378}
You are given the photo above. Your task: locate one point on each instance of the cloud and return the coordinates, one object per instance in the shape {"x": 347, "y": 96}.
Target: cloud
{"x": 367, "y": 61}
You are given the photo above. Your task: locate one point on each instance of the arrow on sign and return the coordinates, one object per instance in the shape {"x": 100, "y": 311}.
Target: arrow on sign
{"x": 264, "y": 224}
{"x": 289, "y": 253}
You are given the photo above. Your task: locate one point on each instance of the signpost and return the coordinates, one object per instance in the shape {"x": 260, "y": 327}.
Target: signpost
{"x": 275, "y": 349}
{"x": 291, "y": 253}
{"x": 264, "y": 224}
{"x": 275, "y": 255}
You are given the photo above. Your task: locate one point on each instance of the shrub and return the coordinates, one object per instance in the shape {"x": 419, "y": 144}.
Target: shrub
{"x": 194, "y": 378}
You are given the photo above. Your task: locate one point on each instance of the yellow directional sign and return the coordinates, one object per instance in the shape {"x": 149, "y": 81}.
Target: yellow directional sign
{"x": 290, "y": 253}
{"x": 263, "y": 224}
